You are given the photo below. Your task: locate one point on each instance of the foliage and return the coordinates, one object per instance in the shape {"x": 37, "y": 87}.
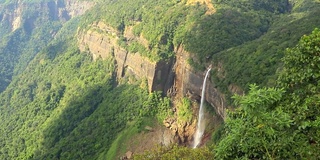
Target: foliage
{"x": 274, "y": 6}
{"x": 71, "y": 105}
{"x": 117, "y": 145}
{"x": 301, "y": 65}
{"x": 252, "y": 131}
{"x": 300, "y": 77}
{"x": 9, "y": 56}
{"x": 163, "y": 106}
{"x": 226, "y": 28}
{"x": 184, "y": 111}
{"x": 135, "y": 47}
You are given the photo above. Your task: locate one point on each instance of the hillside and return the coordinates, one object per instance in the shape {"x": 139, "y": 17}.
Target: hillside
{"x": 90, "y": 79}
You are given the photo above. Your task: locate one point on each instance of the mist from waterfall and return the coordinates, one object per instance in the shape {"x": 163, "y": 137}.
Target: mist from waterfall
{"x": 201, "y": 122}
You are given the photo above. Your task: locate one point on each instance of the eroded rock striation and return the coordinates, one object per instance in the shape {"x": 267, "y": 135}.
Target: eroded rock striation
{"x": 188, "y": 82}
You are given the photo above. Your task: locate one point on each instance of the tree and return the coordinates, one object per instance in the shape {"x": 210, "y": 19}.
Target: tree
{"x": 301, "y": 80}
{"x": 252, "y": 130}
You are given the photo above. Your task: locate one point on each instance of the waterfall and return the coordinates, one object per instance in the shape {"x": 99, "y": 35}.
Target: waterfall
{"x": 201, "y": 122}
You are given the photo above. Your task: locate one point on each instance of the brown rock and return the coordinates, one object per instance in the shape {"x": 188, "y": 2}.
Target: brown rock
{"x": 129, "y": 155}
{"x": 174, "y": 127}
{"x": 148, "y": 128}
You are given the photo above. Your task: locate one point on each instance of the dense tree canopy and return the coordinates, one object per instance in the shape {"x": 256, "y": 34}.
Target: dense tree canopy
{"x": 279, "y": 123}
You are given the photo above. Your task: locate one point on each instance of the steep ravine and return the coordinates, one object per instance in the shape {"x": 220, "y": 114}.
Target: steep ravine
{"x": 174, "y": 77}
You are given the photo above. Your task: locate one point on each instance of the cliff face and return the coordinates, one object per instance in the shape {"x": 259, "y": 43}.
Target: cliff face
{"x": 101, "y": 41}
{"x": 174, "y": 77}
{"x": 20, "y": 13}
{"x": 12, "y": 15}
{"x": 64, "y": 10}
{"x": 189, "y": 83}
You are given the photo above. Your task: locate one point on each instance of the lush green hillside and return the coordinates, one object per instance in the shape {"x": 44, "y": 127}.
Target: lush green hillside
{"x": 19, "y": 46}
{"x": 257, "y": 61}
{"x": 63, "y": 102}
{"x": 57, "y": 103}
{"x": 59, "y": 100}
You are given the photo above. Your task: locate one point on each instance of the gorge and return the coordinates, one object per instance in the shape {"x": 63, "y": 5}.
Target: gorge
{"x": 119, "y": 79}
{"x": 174, "y": 77}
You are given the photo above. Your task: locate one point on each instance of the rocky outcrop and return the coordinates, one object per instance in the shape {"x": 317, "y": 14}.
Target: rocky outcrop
{"x": 12, "y": 15}
{"x": 182, "y": 132}
{"x": 64, "y": 10}
{"x": 102, "y": 41}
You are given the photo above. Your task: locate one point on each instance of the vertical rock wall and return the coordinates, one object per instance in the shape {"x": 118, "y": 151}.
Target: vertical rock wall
{"x": 189, "y": 83}
{"x": 101, "y": 41}
{"x": 174, "y": 77}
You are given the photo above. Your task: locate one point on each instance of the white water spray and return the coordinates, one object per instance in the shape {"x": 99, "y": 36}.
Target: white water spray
{"x": 201, "y": 124}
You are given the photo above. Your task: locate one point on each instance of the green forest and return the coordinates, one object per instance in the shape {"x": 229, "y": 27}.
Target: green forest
{"x": 58, "y": 102}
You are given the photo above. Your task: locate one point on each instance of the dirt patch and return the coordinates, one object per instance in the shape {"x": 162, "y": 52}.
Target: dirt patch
{"x": 149, "y": 139}
{"x": 208, "y": 3}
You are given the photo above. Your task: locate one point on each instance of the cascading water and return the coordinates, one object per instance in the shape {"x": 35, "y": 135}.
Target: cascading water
{"x": 201, "y": 124}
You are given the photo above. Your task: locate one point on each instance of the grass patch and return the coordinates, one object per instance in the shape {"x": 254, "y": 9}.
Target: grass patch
{"x": 118, "y": 147}
{"x": 147, "y": 121}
